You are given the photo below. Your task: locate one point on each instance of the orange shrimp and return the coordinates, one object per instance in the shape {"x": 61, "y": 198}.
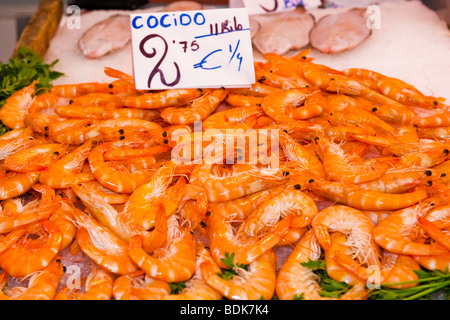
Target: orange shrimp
{"x": 139, "y": 286}
{"x": 236, "y": 118}
{"x": 400, "y": 233}
{"x": 35, "y": 158}
{"x": 398, "y": 268}
{"x": 439, "y": 133}
{"x": 174, "y": 262}
{"x": 257, "y": 89}
{"x": 109, "y": 196}
{"x": 232, "y": 186}
{"x": 34, "y": 251}
{"x": 15, "y": 140}
{"x": 243, "y": 101}
{"x": 101, "y": 245}
{"x": 14, "y": 184}
{"x": 295, "y": 280}
{"x": 67, "y": 170}
{"x": 359, "y": 198}
{"x": 287, "y": 105}
{"x": 405, "y": 93}
{"x": 224, "y": 240}
{"x": 79, "y": 89}
{"x": 43, "y": 101}
{"x": 268, "y": 213}
{"x": 41, "y": 285}
{"x": 32, "y": 212}
{"x": 258, "y": 282}
{"x": 98, "y": 286}
{"x": 13, "y": 112}
{"x": 40, "y": 123}
{"x": 133, "y": 148}
{"x": 345, "y": 168}
{"x": 103, "y": 113}
{"x": 117, "y": 179}
{"x": 196, "y": 288}
{"x": 163, "y": 99}
{"x": 106, "y": 100}
{"x": 357, "y": 227}
{"x": 197, "y": 110}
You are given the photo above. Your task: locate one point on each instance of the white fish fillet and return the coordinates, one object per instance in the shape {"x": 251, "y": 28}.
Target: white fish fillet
{"x": 340, "y": 32}
{"x": 106, "y": 36}
{"x": 287, "y": 31}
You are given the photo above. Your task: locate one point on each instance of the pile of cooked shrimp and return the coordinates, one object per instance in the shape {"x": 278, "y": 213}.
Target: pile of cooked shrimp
{"x": 356, "y": 174}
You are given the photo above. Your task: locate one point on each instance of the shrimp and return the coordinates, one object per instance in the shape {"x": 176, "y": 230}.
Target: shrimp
{"x": 133, "y": 148}
{"x": 41, "y": 285}
{"x": 440, "y": 118}
{"x": 287, "y": 106}
{"x": 16, "y": 140}
{"x": 439, "y": 133}
{"x": 139, "y": 286}
{"x": 341, "y": 167}
{"x": 243, "y": 101}
{"x": 439, "y": 262}
{"x": 406, "y": 93}
{"x": 98, "y": 99}
{"x": 427, "y": 158}
{"x": 236, "y": 118}
{"x": 109, "y": 196}
{"x": 14, "y": 184}
{"x": 35, "y": 158}
{"x": 101, "y": 245}
{"x": 34, "y": 251}
{"x": 63, "y": 220}
{"x": 197, "y": 110}
{"x": 300, "y": 157}
{"x": 43, "y": 101}
{"x": 67, "y": 170}
{"x": 98, "y": 286}
{"x": 400, "y": 233}
{"x": 196, "y": 288}
{"x": 223, "y": 239}
{"x": 398, "y": 268}
{"x": 117, "y": 179}
{"x": 295, "y": 280}
{"x": 13, "y": 112}
{"x": 257, "y": 282}
{"x": 174, "y": 262}
{"x": 359, "y": 198}
{"x": 257, "y": 89}
{"x": 79, "y": 89}
{"x": 104, "y": 113}
{"x": 277, "y": 207}
{"x": 357, "y": 227}
{"x": 231, "y": 186}
{"x": 29, "y": 213}
{"x": 400, "y": 180}
{"x": 163, "y": 99}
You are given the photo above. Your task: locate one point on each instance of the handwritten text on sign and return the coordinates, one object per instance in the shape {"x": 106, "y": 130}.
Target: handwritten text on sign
{"x": 192, "y": 49}
{"x": 274, "y": 6}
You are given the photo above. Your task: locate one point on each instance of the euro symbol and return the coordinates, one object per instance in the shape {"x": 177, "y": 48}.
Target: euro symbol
{"x": 204, "y": 61}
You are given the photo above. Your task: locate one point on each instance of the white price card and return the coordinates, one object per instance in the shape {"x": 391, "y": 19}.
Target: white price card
{"x": 192, "y": 49}
{"x": 277, "y": 6}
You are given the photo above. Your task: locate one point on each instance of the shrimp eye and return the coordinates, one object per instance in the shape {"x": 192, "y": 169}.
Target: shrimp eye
{"x": 297, "y": 186}
{"x": 166, "y": 141}
{"x": 64, "y": 269}
{"x": 430, "y": 183}
{"x": 56, "y": 153}
{"x": 164, "y": 134}
{"x": 200, "y": 90}
{"x": 208, "y": 213}
{"x": 121, "y": 131}
{"x": 71, "y": 101}
{"x": 45, "y": 128}
{"x": 285, "y": 173}
{"x": 446, "y": 151}
{"x": 202, "y": 224}
{"x": 311, "y": 181}
{"x": 432, "y": 204}
{"x": 110, "y": 86}
{"x": 435, "y": 102}
{"x": 443, "y": 175}
{"x": 374, "y": 109}
{"x": 428, "y": 172}
{"x": 332, "y": 79}
{"x": 258, "y": 104}
{"x": 262, "y": 79}
{"x": 58, "y": 260}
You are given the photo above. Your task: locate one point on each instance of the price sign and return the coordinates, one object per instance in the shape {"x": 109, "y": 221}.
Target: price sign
{"x": 274, "y": 6}
{"x": 192, "y": 49}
